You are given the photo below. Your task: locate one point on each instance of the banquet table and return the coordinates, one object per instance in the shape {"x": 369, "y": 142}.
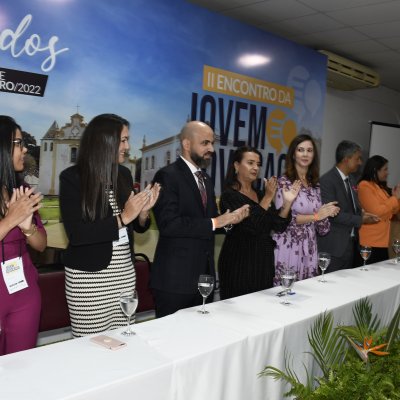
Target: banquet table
{"x": 193, "y": 356}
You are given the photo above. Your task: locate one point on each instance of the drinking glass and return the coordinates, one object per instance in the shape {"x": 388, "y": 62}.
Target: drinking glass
{"x": 323, "y": 262}
{"x": 129, "y": 302}
{"x": 288, "y": 277}
{"x": 396, "y": 249}
{"x": 365, "y": 252}
{"x": 205, "y": 286}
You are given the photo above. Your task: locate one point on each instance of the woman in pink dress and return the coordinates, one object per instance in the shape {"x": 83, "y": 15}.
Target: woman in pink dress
{"x": 19, "y": 225}
{"x": 296, "y": 247}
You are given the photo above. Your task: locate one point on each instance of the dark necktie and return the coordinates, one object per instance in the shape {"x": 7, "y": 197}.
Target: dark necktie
{"x": 202, "y": 188}
{"x": 349, "y": 194}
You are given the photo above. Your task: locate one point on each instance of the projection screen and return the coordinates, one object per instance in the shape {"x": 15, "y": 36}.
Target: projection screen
{"x": 385, "y": 141}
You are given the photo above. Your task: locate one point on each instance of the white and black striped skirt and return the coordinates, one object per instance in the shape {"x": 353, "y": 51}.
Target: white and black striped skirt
{"x": 93, "y": 297}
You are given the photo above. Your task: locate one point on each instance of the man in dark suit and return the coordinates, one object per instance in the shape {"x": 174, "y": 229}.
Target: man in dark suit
{"x": 337, "y": 185}
{"x": 187, "y": 216}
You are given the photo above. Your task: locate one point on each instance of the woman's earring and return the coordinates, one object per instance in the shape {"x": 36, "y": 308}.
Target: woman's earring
{"x": 235, "y": 171}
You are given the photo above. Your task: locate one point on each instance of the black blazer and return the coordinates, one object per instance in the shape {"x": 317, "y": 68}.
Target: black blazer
{"x": 333, "y": 189}
{"x": 90, "y": 243}
{"x": 185, "y": 247}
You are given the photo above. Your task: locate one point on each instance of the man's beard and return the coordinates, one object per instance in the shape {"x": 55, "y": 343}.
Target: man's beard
{"x": 200, "y": 161}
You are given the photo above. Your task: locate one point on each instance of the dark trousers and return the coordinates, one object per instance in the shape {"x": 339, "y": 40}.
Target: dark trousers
{"x": 378, "y": 254}
{"x": 350, "y": 258}
{"x": 168, "y": 303}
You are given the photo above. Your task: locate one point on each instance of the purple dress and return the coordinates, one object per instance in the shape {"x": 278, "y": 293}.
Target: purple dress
{"x": 296, "y": 247}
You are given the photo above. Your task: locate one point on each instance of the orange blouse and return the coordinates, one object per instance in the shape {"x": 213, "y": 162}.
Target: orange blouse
{"x": 377, "y": 201}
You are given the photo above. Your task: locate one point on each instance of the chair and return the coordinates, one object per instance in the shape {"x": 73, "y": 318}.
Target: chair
{"x": 142, "y": 267}
{"x": 54, "y": 314}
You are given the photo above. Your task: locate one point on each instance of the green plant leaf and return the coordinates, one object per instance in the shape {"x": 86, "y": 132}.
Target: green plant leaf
{"x": 327, "y": 343}
{"x": 366, "y": 325}
{"x": 345, "y": 375}
{"x": 290, "y": 377}
{"x": 393, "y": 329}
{"x": 362, "y": 312}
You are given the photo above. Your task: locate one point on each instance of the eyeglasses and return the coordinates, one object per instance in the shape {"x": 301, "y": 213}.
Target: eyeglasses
{"x": 19, "y": 143}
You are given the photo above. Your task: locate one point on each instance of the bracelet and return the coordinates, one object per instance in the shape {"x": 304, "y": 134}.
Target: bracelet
{"x": 29, "y": 232}
{"x": 315, "y": 217}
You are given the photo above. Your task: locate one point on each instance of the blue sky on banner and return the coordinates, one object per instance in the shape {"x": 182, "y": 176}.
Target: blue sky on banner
{"x": 143, "y": 60}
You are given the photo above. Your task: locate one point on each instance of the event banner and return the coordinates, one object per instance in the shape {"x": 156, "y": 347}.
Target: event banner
{"x": 158, "y": 64}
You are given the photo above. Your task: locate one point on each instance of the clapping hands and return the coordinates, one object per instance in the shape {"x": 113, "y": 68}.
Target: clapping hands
{"x": 396, "y": 191}
{"x": 270, "y": 186}
{"x": 140, "y": 203}
{"x": 289, "y": 194}
{"x": 23, "y": 203}
{"x": 152, "y": 196}
{"x": 328, "y": 210}
{"x": 368, "y": 218}
{"x": 234, "y": 217}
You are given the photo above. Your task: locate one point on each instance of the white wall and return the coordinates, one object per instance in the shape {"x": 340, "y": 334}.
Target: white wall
{"x": 347, "y": 116}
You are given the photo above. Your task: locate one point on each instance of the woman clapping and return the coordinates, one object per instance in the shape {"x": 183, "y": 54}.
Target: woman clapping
{"x": 20, "y": 225}
{"x": 246, "y": 261}
{"x": 297, "y": 245}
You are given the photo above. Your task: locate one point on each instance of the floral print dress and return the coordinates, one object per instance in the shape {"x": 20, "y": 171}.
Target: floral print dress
{"x": 296, "y": 247}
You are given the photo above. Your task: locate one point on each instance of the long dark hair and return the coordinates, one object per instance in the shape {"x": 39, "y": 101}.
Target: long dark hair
{"x": 231, "y": 180}
{"x": 370, "y": 172}
{"x": 98, "y": 164}
{"x": 8, "y": 177}
{"x": 290, "y": 168}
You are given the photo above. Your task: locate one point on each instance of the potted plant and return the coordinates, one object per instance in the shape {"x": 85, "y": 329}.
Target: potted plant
{"x": 358, "y": 362}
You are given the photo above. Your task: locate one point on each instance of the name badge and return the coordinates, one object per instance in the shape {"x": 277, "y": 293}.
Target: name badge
{"x": 123, "y": 237}
{"x": 13, "y": 274}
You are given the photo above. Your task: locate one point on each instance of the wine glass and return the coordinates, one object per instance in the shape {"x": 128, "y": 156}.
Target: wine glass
{"x": 288, "y": 277}
{"x": 205, "y": 286}
{"x": 323, "y": 262}
{"x": 365, "y": 252}
{"x": 129, "y": 302}
{"x": 396, "y": 249}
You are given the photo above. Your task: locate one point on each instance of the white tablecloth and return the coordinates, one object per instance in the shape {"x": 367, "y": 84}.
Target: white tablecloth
{"x": 190, "y": 356}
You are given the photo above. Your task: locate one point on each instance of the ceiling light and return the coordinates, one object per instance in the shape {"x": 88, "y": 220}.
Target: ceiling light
{"x": 253, "y": 60}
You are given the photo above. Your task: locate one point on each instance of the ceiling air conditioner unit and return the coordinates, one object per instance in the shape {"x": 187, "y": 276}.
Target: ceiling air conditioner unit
{"x": 344, "y": 74}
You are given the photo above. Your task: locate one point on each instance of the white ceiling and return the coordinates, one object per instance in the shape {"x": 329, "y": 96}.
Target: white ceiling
{"x": 365, "y": 31}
